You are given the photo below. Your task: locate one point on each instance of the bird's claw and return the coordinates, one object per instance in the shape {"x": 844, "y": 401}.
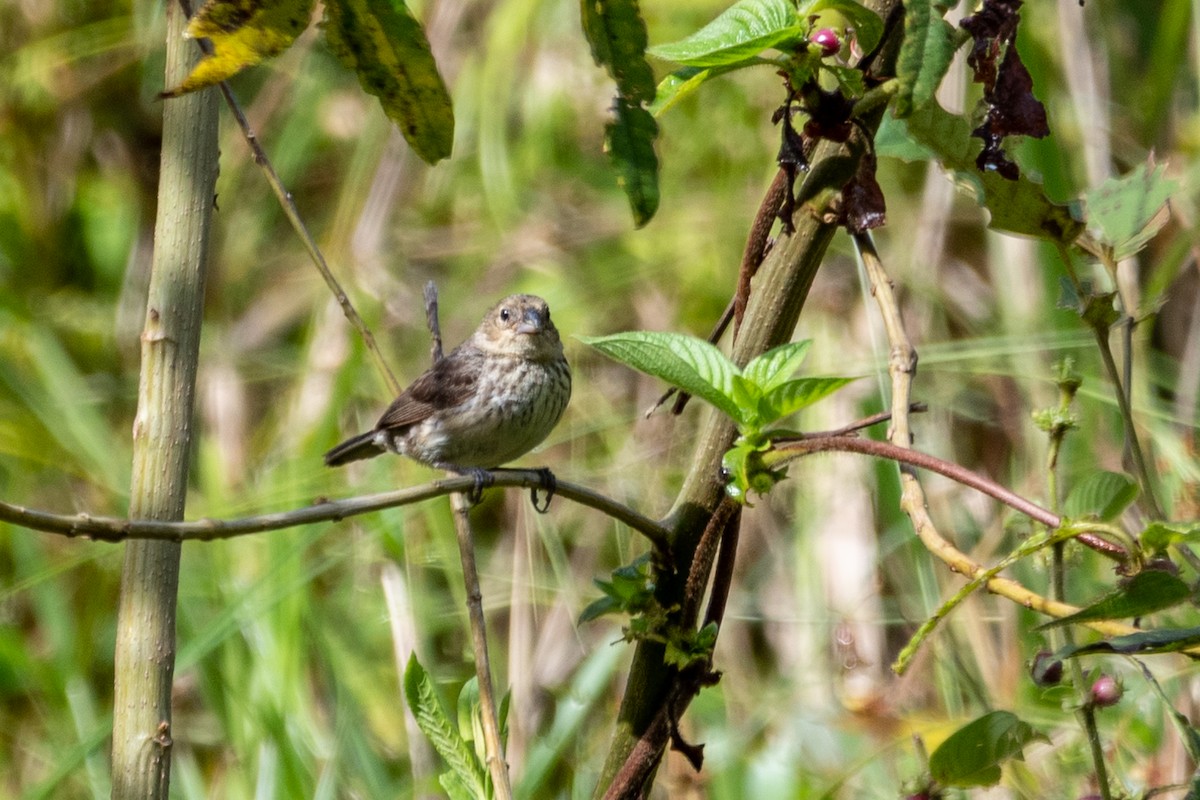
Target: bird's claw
{"x": 483, "y": 479}
{"x": 549, "y": 484}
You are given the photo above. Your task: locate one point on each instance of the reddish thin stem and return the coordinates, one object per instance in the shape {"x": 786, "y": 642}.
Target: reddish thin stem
{"x": 959, "y": 474}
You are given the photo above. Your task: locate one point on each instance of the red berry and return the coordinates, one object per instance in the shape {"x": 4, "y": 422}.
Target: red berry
{"x": 828, "y": 40}
{"x": 1105, "y": 692}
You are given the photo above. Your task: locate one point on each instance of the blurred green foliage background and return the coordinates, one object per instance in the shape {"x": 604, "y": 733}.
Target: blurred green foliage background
{"x": 289, "y": 642}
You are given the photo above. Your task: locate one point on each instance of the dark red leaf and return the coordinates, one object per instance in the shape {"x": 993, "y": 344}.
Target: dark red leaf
{"x": 1012, "y": 110}
{"x": 863, "y": 206}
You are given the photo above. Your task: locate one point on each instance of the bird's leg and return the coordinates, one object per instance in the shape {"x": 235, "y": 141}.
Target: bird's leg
{"x": 549, "y": 484}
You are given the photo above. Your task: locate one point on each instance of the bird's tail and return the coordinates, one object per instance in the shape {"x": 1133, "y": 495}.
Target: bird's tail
{"x": 365, "y": 445}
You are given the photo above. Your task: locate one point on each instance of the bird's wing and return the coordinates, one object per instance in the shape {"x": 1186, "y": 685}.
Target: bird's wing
{"x": 446, "y": 384}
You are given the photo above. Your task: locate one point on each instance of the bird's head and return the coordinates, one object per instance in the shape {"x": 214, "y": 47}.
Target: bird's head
{"x": 520, "y": 325}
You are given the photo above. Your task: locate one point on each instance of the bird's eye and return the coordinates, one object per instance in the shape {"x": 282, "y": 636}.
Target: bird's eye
{"x": 505, "y": 314}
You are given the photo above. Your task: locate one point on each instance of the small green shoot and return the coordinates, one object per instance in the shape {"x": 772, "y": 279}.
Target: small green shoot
{"x": 756, "y": 397}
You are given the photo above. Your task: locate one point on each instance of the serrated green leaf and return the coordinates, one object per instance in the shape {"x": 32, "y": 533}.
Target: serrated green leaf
{"x": 790, "y": 397}
{"x": 629, "y": 138}
{"x": 1019, "y": 206}
{"x": 748, "y": 396}
{"x": 867, "y": 26}
{"x": 685, "y": 362}
{"x": 1158, "y": 536}
{"x": 617, "y": 35}
{"x": 454, "y": 788}
{"x": 243, "y": 33}
{"x": 777, "y": 365}
{"x": 426, "y": 707}
{"x": 385, "y": 46}
{"x": 1125, "y": 213}
{"x": 1160, "y": 640}
{"x": 1148, "y": 591}
{"x": 972, "y": 755}
{"x": 924, "y": 57}
{"x": 739, "y": 34}
{"x": 1102, "y": 494}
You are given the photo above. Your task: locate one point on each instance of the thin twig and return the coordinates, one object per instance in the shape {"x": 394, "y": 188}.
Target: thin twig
{"x": 431, "y": 318}
{"x": 117, "y": 529}
{"x": 1087, "y": 713}
{"x": 757, "y": 243}
{"x": 726, "y": 517}
{"x": 1133, "y": 448}
{"x": 853, "y": 427}
{"x": 902, "y": 366}
{"x": 293, "y": 216}
{"x": 722, "y": 580}
{"x": 493, "y": 743}
{"x": 915, "y": 458}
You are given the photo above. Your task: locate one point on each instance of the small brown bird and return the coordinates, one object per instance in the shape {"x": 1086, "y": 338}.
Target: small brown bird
{"x": 492, "y": 399}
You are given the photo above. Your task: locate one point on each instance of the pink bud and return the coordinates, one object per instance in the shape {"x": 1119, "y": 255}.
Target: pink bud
{"x": 826, "y": 39}
{"x": 1105, "y": 692}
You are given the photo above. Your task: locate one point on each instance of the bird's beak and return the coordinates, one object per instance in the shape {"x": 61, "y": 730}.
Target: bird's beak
{"x": 531, "y": 323}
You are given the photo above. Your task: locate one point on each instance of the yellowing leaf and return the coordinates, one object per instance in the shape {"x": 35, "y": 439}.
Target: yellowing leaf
{"x": 382, "y": 42}
{"x": 243, "y": 33}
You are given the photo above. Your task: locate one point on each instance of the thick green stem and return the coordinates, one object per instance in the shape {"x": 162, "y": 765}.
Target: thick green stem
{"x": 145, "y": 648}
{"x": 778, "y": 292}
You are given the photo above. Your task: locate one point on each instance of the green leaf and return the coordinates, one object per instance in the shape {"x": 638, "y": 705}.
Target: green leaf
{"x": 676, "y": 86}
{"x": 685, "y": 362}
{"x": 924, "y": 57}
{"x": 1161, "y": 640}
{"x": 688, "y": 647}
{"x": 617, "y": 34}
{"x": 454, "y": 788}
{"x": 740, "y": 33}
{"x": 1103, "y": 495}
{"x": 1125, "y": 213}
{"x": 1019, "y": 206}
{"x": 434, "y": 722}
{"x": 1158, "y": 536}
{"x": 243, "y": 33}
{"x": 745, "y": 471}
{"x": 867, "y": 26}
{"x": 630, "y": 591}
{"x": 849, "y": 79}
{"x": 629, "y": 139}
{"x": 470, "y": 723}
{"x": 682, "y": 82}
{"x": 972, "y": 755}
{"x": 790, "y": 397}
{"x": 892, "y": 140}
{"x": 382, "y": 42}
{"x": 1149, "y": 591}
{"x": 777, "y": 365}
